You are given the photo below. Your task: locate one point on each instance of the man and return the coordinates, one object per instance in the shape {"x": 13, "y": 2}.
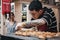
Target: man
{"x": 43, "y": 18}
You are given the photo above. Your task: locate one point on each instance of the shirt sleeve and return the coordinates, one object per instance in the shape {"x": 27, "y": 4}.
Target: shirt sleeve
{"x": 39, "y": 21}
{"x": 47, "y": 18}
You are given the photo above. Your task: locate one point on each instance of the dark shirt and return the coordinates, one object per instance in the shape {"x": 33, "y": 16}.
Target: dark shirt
{"x": 51, "y": 23}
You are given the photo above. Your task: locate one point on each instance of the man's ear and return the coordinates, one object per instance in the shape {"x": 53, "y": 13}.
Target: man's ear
{"x": 40, "y": 11}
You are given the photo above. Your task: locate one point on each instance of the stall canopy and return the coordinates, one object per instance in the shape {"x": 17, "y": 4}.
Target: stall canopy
{"x": 6, "y": 6}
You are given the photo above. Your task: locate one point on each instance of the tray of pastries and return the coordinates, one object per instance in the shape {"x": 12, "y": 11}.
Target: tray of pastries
{"x": 34, "y": 33}
{"x": 37, "y": 34}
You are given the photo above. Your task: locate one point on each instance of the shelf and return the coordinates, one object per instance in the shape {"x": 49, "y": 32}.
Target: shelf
{"x": 52, "y": 6}
{"x": 24, "y": 11}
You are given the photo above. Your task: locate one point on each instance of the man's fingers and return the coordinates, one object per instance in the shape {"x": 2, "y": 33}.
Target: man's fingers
{"x": 19, "y": 28}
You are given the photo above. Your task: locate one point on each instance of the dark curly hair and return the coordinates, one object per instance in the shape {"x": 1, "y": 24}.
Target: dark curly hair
{"x": 35, "y": 5}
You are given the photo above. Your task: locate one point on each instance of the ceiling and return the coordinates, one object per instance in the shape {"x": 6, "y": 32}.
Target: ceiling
{"x": 22, "y": 0}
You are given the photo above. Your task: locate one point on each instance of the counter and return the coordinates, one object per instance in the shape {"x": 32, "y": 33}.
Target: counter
{"x": 15, "y": 37}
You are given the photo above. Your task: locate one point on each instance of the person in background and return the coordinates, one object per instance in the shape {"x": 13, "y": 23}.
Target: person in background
{"x": 43, "y": 18}
{"x": 11, "y": 24}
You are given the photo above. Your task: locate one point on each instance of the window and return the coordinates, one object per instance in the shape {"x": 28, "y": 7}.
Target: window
{"x": 12, "y": 7}
{"x": 24, "y": 12}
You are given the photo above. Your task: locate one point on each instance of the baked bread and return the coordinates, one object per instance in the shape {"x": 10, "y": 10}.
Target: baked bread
{"x": 58, "y": 34}
{"x": 37, "y": 34}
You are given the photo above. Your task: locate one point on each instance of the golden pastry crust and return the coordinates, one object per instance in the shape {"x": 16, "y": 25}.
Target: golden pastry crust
{"x": 41, "y": 36}
{"x": 23, "y": 24}
{"x": 37, "y": 34}
{"x": 58, "y": 34}
{"x": 18, "y": 33}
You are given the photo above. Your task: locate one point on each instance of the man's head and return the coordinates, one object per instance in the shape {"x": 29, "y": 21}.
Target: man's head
{"x": 35, "y": 8}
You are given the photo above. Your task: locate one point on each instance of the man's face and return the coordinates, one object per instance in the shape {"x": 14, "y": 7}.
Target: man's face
{"x": 36, "y": 14}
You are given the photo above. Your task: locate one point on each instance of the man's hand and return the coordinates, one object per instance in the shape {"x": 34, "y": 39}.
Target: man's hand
{"x": 20, "y": 25}
{"x": 18, "y": 28}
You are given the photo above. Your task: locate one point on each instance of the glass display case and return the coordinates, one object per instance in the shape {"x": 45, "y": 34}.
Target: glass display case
{"x": 26, "y": 16}
{"x": 24, "y": 12}
{"x": 0, "y": 18}
{"x": 0, "y": 15}
{"x": 0, "y": 11}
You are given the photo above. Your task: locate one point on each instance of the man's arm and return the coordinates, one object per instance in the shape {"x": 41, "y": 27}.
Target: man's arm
{"x": 36, "y": 22}
{"x": 30, "y": 23}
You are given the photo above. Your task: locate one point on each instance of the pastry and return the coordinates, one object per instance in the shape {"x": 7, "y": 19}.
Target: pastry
{"x": 58, "y": 34}
{"x": 41, "y": 36}
{"x": 24, "y": 34}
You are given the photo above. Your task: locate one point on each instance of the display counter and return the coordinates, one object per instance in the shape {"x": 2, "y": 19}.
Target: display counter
{"x": 12, "y": 36}
{"x": 15, "y": 37}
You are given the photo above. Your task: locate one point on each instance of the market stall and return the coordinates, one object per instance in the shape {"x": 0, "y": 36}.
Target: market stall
{"x": 31, "y": 35}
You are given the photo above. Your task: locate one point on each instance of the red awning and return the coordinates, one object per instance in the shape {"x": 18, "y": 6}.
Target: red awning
{"x": 6, "y": 6}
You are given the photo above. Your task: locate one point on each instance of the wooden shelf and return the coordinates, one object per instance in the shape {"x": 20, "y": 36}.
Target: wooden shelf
{"x": 52, "y": 6}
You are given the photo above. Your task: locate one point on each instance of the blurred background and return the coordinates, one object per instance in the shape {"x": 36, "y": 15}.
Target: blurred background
{"x": 21, "y": 12}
